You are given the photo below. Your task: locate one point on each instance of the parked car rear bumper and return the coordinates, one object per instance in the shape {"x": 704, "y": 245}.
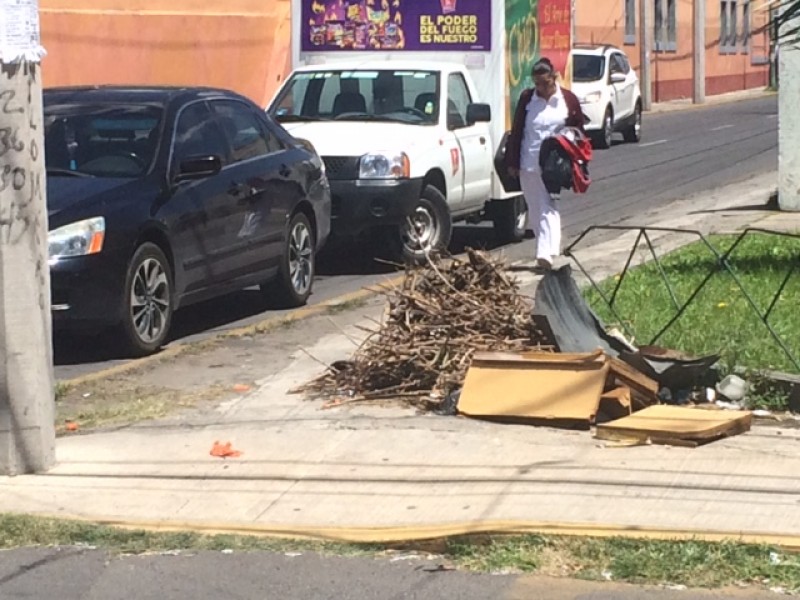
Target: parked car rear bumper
{"x": 358, "y": 205}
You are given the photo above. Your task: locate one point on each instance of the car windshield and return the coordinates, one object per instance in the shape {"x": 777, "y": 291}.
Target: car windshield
{"x": 100, "y": 140}
{"x": 406, "y": 96}
{"x": 588, "y": 67}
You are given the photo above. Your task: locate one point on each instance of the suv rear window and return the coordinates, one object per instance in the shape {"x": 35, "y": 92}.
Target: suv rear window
{"x": 588, "y": 67}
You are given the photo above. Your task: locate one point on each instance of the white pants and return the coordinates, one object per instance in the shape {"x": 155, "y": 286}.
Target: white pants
{"x": 543, "y": 215}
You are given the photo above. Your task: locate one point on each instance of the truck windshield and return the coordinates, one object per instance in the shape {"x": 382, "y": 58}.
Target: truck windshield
{"x": 587, "y": 67}
{"x": 406, "y": 96}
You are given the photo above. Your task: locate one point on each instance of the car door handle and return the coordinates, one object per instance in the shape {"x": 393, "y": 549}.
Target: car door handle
{"x": 483, "y": 141}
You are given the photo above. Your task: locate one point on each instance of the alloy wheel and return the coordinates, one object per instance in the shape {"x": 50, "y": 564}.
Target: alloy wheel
{"x": 150, "y": 300}
{"x": 608, "y": 129}
{"x": 301, "y": 257}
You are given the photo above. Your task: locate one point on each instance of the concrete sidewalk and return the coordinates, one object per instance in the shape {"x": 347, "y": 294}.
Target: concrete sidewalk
{"x": 387, "y": 473}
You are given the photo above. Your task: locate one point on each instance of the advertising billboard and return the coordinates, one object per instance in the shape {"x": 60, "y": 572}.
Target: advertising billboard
{"x": 421, "y": 25}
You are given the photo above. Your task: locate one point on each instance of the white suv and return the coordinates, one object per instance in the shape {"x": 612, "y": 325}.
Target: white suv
{"x": 609, "y": 92}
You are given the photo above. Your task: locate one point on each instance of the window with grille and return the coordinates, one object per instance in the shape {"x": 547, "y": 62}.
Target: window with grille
{"x": 727, "y": 26}
{"x": 665, "y": 24}
{"x": 746, "y": 31}
{"x": 630, "y": 22}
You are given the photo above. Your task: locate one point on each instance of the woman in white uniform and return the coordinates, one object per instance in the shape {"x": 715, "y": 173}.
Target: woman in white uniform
{"x": 541, "y": 112}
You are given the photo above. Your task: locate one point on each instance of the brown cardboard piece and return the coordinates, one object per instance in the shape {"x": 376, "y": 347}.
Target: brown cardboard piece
{"x": 676, "y": 425}
{"x": 644, "y": 390}
{"x": 614, "y": 404}
{"x": 535, "y": 387}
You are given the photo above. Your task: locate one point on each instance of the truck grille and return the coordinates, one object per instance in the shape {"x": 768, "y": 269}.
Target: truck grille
{"x": 341, "y": 167}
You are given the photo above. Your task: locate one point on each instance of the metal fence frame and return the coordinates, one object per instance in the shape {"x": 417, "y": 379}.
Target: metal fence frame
{"x": 722, "y": 263}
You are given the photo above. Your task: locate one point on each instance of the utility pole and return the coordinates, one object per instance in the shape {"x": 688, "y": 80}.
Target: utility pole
{"x": 27, "y": 428}
{"x": 645, "y": 49}
{"x": 788, "y": 118}
{"x": 699, "y": 52}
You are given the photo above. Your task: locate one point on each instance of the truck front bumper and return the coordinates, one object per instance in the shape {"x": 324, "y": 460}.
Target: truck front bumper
{"x": 359, "y": 205}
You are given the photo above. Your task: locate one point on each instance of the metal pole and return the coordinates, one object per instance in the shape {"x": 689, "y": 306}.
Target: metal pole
{"x": 27, "y": 428}
{"x": 699, "y": 52}
{"x": 645, "y": 47}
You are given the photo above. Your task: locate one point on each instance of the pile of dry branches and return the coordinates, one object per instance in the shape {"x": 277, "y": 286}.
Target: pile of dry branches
{"x": 435, "y": 321}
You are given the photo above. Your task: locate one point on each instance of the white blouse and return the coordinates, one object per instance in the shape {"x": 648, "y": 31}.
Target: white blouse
{"x": 543, "y": 119}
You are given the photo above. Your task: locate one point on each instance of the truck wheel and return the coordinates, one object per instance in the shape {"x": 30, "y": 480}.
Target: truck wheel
{"x": 510, "y": 219}
{"x": 428, "y": 229}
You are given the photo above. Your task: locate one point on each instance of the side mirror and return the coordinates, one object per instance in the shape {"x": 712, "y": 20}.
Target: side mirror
{"x": 198, "y": 167}
{"x": 478, "y": 113}
{"x": 618, "y": 77}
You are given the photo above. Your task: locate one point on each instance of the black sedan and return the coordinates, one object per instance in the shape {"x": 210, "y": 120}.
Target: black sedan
{"x": 161, "y": 197}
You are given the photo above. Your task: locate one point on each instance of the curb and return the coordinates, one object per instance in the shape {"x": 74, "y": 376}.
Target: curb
{"x": 687, "y": 104}
{"x": 406, "y": 534}
{"x": 172, "y": 352}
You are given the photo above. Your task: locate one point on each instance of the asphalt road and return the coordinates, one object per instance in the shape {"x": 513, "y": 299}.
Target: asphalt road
{"x": 81, "y": 574}
{"x": 682, "y": 153}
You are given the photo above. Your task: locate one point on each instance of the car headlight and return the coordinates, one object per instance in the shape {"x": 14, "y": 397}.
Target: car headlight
{"x": 77, "y": 239}
{"x": 384, "y": 166}
{"x": 592, "y": 98}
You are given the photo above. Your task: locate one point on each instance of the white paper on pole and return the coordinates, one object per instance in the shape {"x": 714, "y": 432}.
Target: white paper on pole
{"x": 19, "y": 31}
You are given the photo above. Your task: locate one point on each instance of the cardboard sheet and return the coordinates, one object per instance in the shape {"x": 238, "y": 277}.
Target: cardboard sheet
{"x": 535, "y": 387}
{"x": 677, "y": 425}
{"x": 644, "y": 391}
{"x": 615, "y": 404}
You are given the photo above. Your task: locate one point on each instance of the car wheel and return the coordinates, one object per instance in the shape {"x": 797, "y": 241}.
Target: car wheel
{"x": 148, "y": 300}
{"x": 511, "y": 220}
{"x": 633, "y": 134}
{"x": 602, "y": 139}
{"x": 297, "y": 266}
{"x": 428, "y": 229}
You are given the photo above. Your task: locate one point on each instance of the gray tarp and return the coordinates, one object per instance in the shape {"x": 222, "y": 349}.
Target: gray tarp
{"x": 574, "y": 325}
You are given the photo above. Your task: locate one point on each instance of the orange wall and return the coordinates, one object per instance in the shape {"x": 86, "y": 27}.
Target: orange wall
{"x": 602, "y": 21}
{"x": 242, "y": 45}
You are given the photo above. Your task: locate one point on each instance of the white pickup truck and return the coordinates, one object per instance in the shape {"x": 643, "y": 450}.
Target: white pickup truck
{"x": 408, "y": 103}
{"x": 407, "y": 149}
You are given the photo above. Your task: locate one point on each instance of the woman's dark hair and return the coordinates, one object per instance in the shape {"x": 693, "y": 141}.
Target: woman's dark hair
{"x": 543, "y": 66}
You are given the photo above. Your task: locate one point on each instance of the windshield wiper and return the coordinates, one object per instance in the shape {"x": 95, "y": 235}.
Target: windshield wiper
{"x": 66, "y": 172}
{"x": 295, "y": 118}
{"x": 363, "y": 117}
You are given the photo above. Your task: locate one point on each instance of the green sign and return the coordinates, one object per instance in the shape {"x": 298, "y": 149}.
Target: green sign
{"x": 522, "y": 48}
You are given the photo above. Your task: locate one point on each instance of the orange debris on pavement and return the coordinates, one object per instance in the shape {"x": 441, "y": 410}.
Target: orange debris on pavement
{"x": 224, "y": 450}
